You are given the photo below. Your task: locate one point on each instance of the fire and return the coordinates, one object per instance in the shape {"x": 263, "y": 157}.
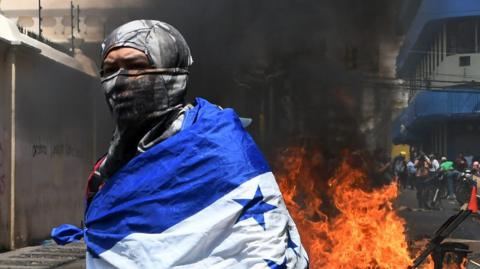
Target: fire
{"x": 363, "y": 231}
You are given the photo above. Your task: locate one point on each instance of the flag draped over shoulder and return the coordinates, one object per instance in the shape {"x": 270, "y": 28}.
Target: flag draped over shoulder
{"x": 204, "y": 198}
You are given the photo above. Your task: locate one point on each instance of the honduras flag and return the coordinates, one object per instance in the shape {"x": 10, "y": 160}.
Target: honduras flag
{"x": 204, "y": 198}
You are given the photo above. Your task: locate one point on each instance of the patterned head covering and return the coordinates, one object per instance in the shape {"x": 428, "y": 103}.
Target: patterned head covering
{"x": 164, "y": 46}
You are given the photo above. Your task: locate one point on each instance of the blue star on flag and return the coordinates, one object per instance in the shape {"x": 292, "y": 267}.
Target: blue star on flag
{"x": 254, "y": 208}
{"x": 291, "y": 244}
{"x": 274, "y": 265}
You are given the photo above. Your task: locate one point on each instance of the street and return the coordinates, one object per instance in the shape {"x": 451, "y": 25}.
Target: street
{"x": 420, "y": 225}
{"x": 46, "y": 256}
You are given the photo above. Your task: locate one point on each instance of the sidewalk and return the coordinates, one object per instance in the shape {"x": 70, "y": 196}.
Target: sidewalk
{"x": 47, "y": 256}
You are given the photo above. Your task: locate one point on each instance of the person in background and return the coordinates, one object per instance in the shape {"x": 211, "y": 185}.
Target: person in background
{"x": 460, "y": 163}
{"x": 400, "y": 169}
{"x": 448, "y": 168}
{"x": 476, "y": 171}
{"x": 469, "y": 158}
{"x": 382, "y": 168}
{"x": 422, "y": 165}
{"x": 435, "y": 164}
{"x": 411, "y": 170}
{"x": 476, "y": 168}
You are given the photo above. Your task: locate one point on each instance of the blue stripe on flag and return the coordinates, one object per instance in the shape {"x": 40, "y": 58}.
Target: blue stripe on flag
{"x": 177, "y": 178}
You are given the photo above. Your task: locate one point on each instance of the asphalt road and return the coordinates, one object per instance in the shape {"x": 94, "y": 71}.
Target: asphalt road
{"x": 420, "y": 224}
{"x": 46, "y": 256}
{"x": 423, "y": 223}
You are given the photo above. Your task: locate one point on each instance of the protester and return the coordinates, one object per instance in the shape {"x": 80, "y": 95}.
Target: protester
{"x": 476, "y": 168}
{"x": 400, "y": 169}
{"x": 422, "y": 165}
{"x": 451, "y": 174}
{"x": 435, "y": 165}
{"x": 461, "y": 163}
{"x": 411, "y": 174}
{"x": 182, "y": 186}
{"x": 382, "y": 168}
{"x": 469, "y": 158}
{"x": 476, "y": 172}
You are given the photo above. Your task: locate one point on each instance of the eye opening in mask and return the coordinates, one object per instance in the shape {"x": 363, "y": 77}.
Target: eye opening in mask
{"x": 138, "y": 72}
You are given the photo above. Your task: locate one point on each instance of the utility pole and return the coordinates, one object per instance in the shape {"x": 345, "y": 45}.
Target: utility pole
{"x": 71, "y": 24}
{"x": 78, "y": 19}
{"x": 40, "y": 20}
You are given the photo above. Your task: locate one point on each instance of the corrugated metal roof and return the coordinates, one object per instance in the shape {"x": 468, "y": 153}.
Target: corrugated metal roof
{"x": 430, "y": 106}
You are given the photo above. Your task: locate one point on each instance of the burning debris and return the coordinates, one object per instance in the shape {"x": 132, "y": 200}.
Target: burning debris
{"x": 344, "y": 222}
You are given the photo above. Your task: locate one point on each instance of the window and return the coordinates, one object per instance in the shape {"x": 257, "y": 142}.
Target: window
{"x": 461, "y": 36}
{"x": 424, "y": 69}
{"x": 476, "y": 36}
{"x": 430, "y": 62}
{"x": 464, "y": 60}
{"x": 442, "y": 42}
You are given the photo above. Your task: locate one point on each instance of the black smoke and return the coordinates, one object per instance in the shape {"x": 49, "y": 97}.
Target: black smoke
{"x": 296, "y": 67}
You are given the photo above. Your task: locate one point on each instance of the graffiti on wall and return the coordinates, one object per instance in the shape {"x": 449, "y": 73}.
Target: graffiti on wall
{"x": 39, "y": 149}
{"x": 56, "y": 150}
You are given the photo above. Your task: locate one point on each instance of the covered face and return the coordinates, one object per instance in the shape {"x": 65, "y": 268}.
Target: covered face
{"x": 138, "y": 93}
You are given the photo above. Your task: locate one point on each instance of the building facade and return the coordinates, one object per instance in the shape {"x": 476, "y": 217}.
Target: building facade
{"x": 440, "y": 64}
{"x": 53, "y": 126}
{"x": 75, "y": 27}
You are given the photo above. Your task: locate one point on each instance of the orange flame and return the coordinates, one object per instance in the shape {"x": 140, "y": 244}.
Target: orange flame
{"x": 365, "y": 232}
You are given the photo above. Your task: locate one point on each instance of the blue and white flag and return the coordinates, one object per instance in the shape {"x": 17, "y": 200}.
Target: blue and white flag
{"x": 204, "y": 198}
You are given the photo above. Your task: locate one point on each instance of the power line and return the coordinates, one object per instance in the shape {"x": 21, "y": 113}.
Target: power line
{"x": 455, "y": 88}
{"x": 470, "y": 79}
{"x": 459, "y": 76}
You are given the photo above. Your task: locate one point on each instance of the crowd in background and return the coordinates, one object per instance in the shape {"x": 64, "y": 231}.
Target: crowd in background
{"x": 415, "y": 172}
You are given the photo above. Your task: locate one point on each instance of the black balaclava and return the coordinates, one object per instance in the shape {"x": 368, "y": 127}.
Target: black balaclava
{"x": 142, "y": 99}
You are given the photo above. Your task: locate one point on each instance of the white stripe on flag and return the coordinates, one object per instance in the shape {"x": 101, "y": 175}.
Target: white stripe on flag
{"x": 212, "y": 239}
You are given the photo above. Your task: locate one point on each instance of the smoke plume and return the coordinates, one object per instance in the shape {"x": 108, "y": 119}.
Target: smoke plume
{"x": 296, "y": 67}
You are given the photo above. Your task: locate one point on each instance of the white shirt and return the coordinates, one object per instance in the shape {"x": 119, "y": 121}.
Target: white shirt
{"x": 435, "y": 165}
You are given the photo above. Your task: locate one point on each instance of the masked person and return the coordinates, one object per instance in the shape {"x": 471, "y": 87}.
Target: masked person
{"x": 182, "y": 186}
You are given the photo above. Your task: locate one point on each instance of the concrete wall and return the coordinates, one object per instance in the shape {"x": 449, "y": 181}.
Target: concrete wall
{"x": 5, "y": 108}
{"x": 444, "y": 70}
{"x": 54, "y": 138}
{"x": 58, "y": 127}
{"x": 450, "y": 70}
